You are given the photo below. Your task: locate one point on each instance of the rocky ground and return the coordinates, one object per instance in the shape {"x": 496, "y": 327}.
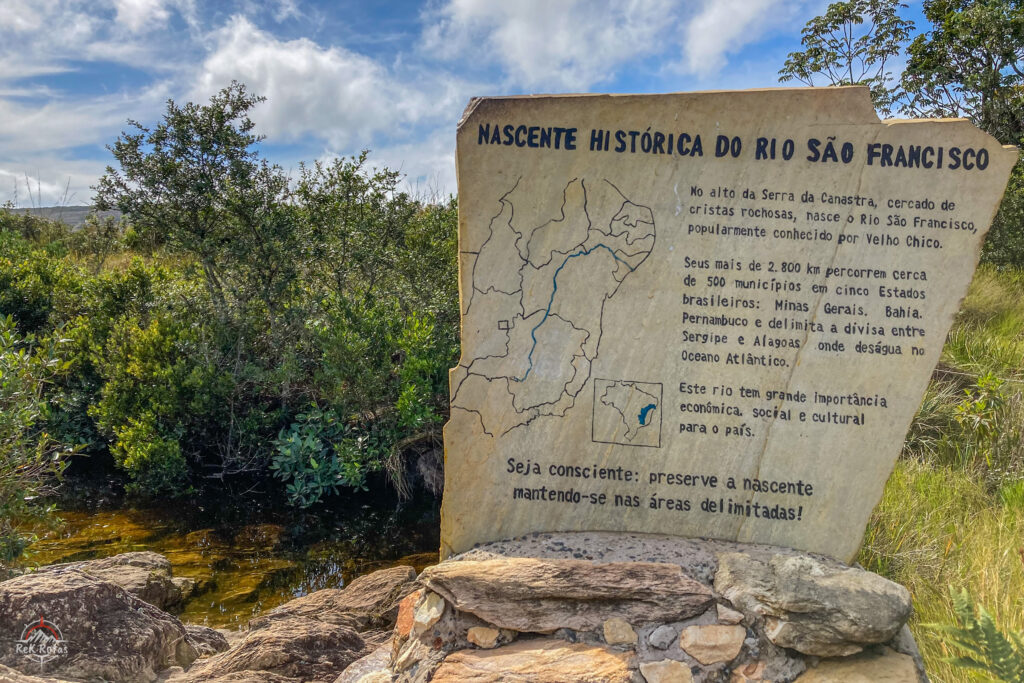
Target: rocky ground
{"x": 548, "y": 608}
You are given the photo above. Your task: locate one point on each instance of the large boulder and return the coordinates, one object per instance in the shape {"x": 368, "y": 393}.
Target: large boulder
{"x": 815, "y": 606}
{"x": 538, "y": 595}
{"x": 206, "y": 640}
{"x": 145, "y": 575}
{"x": 369, "y": 602}
{"x": 109, "y": 633}
{"x": 294, "y": 647}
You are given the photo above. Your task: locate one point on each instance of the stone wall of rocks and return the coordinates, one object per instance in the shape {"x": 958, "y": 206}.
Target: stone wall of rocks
{"x": 550, "y": 608}
{"x": 630, "y": 607}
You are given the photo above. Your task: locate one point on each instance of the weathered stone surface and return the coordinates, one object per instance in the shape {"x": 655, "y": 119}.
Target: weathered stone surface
{"x": 146, "y": 575}
{"x": 666, "y": 671}
{"x": 814, "y": 606}
{"x": 619, "y": 632}
{"x": 886, "y": 666}
{"x": 376, "y": 677}
{"x": 296, "y": 647}
{"x": 371, "y": 601}
{"x": 750, "y": 672}
{"x": 712, "y": 643}
{"x": 406, "y": 613}
{"x": 612, "y": 246}
{"x": 373, "y": 664}
{"x": 428, "y": 612}
{"x": 207, "y": 641}
{"x": 727, "y": 615}
{"x": 237, "y": 677}
{"x": 111, "y": 634}
{"x": 544, "y": 595}
{"x": 9, "y": 675}
{"x": 537, "y": 661}
{"x": 662, "y": 637}
{"x": 483, "y": 636}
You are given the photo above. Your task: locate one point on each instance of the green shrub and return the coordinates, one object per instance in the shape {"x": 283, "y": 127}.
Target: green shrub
{"x": 318, "y": 453}
{"x": 153, "y": 461}
{"x": 30, "y": 462}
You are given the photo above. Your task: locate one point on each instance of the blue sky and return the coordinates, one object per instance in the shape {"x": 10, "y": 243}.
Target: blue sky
{"x": 391, "y": 77}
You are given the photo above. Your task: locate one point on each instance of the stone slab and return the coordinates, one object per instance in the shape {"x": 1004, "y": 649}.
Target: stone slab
{"x": 542, "y": 596}
{"x": 538, "y": 661}
{"x": 662, "y": 332}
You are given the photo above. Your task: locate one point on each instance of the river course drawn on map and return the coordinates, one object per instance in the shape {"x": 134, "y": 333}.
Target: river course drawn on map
{"x": 532, "y": 322}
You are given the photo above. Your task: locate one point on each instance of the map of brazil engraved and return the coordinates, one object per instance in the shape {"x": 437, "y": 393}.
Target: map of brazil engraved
{"x": 627, "y": 412}
{"x": 539, "y": 326}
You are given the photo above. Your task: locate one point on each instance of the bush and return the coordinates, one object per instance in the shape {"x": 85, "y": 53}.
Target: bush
{"x": 30, "y": 462}
{"x": 197, "y": 333}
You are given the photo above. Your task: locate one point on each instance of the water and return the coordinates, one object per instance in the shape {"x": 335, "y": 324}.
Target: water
{"x": 243, "y": 569}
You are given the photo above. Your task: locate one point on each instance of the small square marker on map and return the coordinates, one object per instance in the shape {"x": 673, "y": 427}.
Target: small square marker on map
{"x": 503, "y": 325}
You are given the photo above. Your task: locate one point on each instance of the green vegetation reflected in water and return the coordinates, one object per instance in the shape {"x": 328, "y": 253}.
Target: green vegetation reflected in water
{"x": 244, "y": 570}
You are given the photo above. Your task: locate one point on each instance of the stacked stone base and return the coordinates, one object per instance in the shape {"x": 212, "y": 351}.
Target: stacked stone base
{"x": 631, "y": 607}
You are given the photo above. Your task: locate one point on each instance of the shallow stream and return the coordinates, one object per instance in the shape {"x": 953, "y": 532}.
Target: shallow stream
{"x": 242, "y": 570}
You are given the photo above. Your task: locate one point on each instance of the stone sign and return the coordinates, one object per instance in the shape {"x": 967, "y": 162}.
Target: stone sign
{"x": 707, "y": 314}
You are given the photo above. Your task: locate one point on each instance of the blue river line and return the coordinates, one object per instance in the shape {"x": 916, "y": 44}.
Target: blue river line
{"x": 554, "y": 283}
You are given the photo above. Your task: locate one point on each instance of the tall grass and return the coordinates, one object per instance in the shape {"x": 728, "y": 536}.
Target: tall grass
{"x": 953, "y": 511}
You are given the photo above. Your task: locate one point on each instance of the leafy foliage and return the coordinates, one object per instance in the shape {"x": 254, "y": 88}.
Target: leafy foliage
{"x": 987, "y": 648}
{"x": 968, "y": 65}
{"x": 318, "y": 453}
{"x": 200, "y": 330}
{"x": 850, "y": 45}
{"x": 29, "y": 460}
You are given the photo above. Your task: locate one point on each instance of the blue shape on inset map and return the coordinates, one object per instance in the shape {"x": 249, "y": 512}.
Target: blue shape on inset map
{"x": 624, "y": 412}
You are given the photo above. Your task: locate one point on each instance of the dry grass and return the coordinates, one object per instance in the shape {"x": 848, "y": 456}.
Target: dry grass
{"x": 953, "y": 511}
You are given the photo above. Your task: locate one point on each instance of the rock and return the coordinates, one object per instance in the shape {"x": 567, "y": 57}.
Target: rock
{"x": 110, "y": 633}
{"x": 712, "y": 643}
{"x": 814, "y": 606}
{"x": 207, "y": 641}
{"x": 619, "y": 632}
{"x": 9, "y": 675}
{"x": 241, "y": 677}
{"x": 376, "y": 677}
{"x": 662, "y": 637}
{"x": 748, "y": 673}
{"x": 538, "y": 661}
{"x": 885, "y": 666}
{"x": 296, "y": 647}
{"x": 526, "y": 594}
{"x": 666, "y": 671}
{"x": 483, "y": 636}
{"x": 428, "y": 612}
{"x": 728, "y": 616}
{"x": 145, "y": 575}
{"x": 375, "y": 663}
{"x": 371, "y": 601}
{"x": 406, "y": 611}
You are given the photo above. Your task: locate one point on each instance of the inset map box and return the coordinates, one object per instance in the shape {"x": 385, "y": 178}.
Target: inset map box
{"x": 627, "y": 412}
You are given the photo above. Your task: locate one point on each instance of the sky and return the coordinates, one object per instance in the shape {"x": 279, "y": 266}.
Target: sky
{"x": 343, "y": 76}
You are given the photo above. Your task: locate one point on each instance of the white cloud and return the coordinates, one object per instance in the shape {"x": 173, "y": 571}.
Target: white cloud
{"x": 332, "y": 94}
{"x": 561, "y": 44}
{"x": 723, "y": 27}
{"x": 140, "y": 15}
